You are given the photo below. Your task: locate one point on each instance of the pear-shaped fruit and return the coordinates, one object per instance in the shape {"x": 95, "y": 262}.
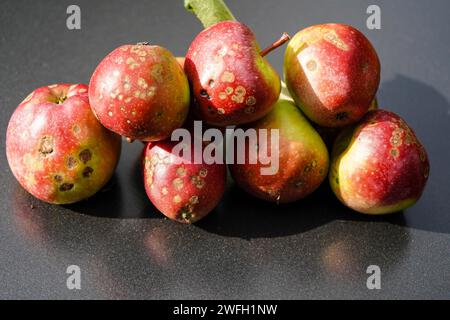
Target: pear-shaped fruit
{"x": 379, "y": 166}
{"x": 303, "y": 157}
{"x": 231, "y": 81}
{"x": 332, "y": 72}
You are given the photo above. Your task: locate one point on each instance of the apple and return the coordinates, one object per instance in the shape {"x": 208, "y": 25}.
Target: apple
{"x": 140, "y": 92}
{"x": 57, "y": 149}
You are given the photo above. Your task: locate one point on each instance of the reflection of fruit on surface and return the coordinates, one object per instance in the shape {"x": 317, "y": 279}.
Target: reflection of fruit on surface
{"x": 231, "y": 82}
{"x": 332, "y": 72}
{"x": 57, "y": 149}
{"x": 379, "y": 166}
{"x": 303, "y": 157}
{"x": 185, "y": 192}
{"x": 140, "y": 92}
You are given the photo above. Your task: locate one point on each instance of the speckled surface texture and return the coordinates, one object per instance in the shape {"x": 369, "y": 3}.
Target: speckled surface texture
{"x": 246, "y": 248}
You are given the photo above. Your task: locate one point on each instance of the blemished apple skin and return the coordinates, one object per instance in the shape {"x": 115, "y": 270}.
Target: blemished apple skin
{"x": 183, "y": 192}
{"x": 332, "y": 72}
{"x": 379, "y": 166}
{"x": 303, "y": 158}
{"x": 329, "y": 135}
{"x": 57, "y": 149}
{"x": 231, "y": 82}
{"x": 140, "y": 92}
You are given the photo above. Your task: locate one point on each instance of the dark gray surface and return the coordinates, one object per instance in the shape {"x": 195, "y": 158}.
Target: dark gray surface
{"x": 315, "y": 248}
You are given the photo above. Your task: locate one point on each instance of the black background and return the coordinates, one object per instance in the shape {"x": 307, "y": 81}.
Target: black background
{"x": 315, "y": 248}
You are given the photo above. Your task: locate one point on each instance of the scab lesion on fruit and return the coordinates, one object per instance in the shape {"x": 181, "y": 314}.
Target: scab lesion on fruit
{"x": 76, "y": 129}
{"x": 157, "y": 73}
{"x": 181, "y": 171}
{"x": 394, "y": 152}
{"x": 177, "y": 199}
{"x": 203, "y": 172}
{"x": 87, "y": 172}
{"x": 58, "y": 178}
{"x": 396, "y": 138}
{"x": 334, "y": 39}
{"x": 311, "y": 65}
{"x": 178, "y": 183}
{"x": 227, "y": 76}
{"x": 198, "y": 182}
{"x": 310, "y": 166}
{"x": 46, "y": 145}
{"x": 85, "y": 155}
{"x": 71, "y": 162}
{"x": 66, "y": 187}
{"x": 251, "y": 100}
{"x": 132, "y": 64}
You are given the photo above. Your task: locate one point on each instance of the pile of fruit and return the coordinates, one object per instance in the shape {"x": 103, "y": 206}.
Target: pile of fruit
{"x": 64, "y": 141}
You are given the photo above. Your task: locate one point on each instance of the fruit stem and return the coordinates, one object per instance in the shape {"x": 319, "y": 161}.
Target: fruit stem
{"x": 209, "y": 12}
{"x": 284, "y": 38}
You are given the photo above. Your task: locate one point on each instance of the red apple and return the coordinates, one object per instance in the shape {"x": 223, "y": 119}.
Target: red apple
{"x": 231, "y": 81}
{"x": 379, "y": 166}
{"x": 57, "y": 149}
{"x": 140, "y": 92}
{"x": 184, "y": 192}
{"x": 332, "y": 72}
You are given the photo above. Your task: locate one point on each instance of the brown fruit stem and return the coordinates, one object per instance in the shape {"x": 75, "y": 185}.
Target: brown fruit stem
{"x": 284, "y": 38}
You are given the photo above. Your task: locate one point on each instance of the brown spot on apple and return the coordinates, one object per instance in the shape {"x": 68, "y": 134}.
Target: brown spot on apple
{"x": 177, "y": 199}
{"x": 87, "y": 172}
{"x": 311, "y": 65}
{"x": 46, "y": 145}
{"x": 66, "y": 187}
{"x": 203, "y": 172}
{"x": 177, "y": 183}
{"x": 71, "y": 162}
{"x": 85, "y": 155}
{"x": 227, "y": 77}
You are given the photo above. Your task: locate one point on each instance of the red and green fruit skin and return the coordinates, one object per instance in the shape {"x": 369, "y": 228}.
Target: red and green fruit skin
{"x": 329, "y": 135}
{"x": 231, "y": 82}
{"x": 57, "y": 149}
{"x": 379, "y": 166}
{"x": 140, "y": 92}
{"x": 332, "y": 72}
{"x": 184, "y": 192}
{"x": 303, "y": 158}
